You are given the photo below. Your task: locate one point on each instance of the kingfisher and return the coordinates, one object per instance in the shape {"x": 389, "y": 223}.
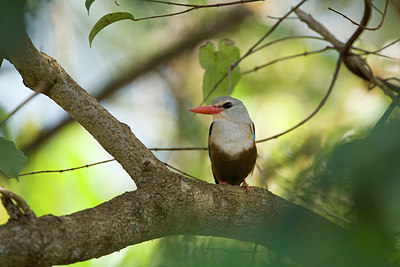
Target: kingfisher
{"x": 231, "y": 141}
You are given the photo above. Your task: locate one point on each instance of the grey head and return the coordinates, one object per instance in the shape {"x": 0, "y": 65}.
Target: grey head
{"x": 233, "y": 110}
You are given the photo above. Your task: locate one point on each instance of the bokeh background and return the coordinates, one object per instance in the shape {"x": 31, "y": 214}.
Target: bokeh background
{"x": 298, "y": 166}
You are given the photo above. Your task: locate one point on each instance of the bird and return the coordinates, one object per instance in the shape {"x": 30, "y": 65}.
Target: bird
{"x": 231, "y": 141}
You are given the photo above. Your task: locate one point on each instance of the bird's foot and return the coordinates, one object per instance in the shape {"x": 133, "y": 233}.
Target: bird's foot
{"x": 245, "y": 185}
{"x": 223, "y": 183}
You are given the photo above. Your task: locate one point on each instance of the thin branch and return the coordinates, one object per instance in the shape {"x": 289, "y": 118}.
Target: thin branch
{"x": 177, "y": 148}
{"x": 204, "y": 6}
{"x": 109, "y": 160}
{"x": 377, "y": 9}
{"x": 19, "y": 107}
{"x": 374, "y": 53}
{"x": 262, "y": 175}
{"x": 384, "y": 117}
{"x": 272, "y": 17}
{"x": 288, "y": 38}
{"x": 288, "y": 57}
{"x": 182, "y": 172}
{"x": 66, "y": 170}
{"x": 363, "y": 26}
{"x": 320, "y": 105}
{"x": 386, "y": 46}
{"x": 192, "y": 7}
{"x": 40, "y": 88}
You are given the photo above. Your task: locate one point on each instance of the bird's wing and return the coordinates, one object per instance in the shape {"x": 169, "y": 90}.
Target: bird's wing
{"x": 209, "y": 151}
{"x": 253, "y": 130}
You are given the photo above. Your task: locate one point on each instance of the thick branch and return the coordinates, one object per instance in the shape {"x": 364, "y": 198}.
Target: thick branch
{"x": 176, "y": 206}
{"x": 115, "y": 137}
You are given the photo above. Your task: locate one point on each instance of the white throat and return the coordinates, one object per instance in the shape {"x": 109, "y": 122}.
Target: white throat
{"x": 232, "y": 137}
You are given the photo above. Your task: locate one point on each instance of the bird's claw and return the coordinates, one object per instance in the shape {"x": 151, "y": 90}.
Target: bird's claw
{"x": 246, "y": 185}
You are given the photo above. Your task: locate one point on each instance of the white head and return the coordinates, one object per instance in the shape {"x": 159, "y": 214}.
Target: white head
{"x": 232, "y": 109}
{"x": 226, "y": 108}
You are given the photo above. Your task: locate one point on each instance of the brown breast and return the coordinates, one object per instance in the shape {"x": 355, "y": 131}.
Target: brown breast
{"x": 232, "y": 169}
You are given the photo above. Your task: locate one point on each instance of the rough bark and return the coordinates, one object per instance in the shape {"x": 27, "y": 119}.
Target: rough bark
{"x": 170, "y": 205}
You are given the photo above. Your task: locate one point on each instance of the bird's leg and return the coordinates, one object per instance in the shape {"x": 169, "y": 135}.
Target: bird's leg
{"x": 245, "y": 185}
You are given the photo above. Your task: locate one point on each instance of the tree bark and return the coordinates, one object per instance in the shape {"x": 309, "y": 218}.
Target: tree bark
{"x": 170, "y": 205}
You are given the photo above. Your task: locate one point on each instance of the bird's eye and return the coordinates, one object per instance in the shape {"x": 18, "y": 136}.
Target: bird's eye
{"x": 227, "y": 105}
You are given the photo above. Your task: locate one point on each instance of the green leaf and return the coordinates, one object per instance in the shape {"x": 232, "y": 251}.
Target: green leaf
{"x": 88, "y": 3}
{"x": 107, "y": 20}
{"x": 12, "y": 161}
{"x": 216, "y": 65}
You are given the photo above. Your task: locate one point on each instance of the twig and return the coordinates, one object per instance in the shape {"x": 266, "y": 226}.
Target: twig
{"x": 19, "y": 107}
{"x": 288, "y": 57}
{"x": 181, "y": 172}
{"x": 288, "y": 38}
{"x": 177, "y": 148}
{"x": 320, "y": 105}
{"x": 384, "y": 118}
{"x": 16, "y": 210}
{"x": 40, "y": 88}
{"x": 192, "y": 7}
{"x": 386, "y": 46}
{"x": 262, "y": 175}
{"x": 364, "y": 27}
{"x": 204, "y": 6}
{"x": 230, "y": 82}
{"x": 395, "y": 102}
{"x": 272, "y": 17}
{"x": 66, "y": 170}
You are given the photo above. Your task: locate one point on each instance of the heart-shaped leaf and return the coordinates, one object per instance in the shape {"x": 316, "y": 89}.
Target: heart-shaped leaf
{"x": 12, "y": 161}
{"x": 216, "y": 65}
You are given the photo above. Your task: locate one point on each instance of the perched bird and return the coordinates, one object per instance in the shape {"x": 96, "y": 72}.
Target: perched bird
{"x": 231, "y": 144}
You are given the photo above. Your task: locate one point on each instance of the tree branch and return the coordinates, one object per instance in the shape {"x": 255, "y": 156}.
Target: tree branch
{"x": 170, "y": 205}
{"x": 115, "y": 137}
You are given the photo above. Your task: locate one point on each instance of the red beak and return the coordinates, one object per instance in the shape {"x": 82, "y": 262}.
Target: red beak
{"x": 207, "y": 110}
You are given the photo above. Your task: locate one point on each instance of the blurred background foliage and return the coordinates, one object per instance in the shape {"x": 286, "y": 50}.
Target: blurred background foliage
{"x": 332, "y": 165}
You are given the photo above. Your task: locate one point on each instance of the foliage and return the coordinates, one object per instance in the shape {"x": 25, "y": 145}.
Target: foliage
{"x": 107, "y": 20}
{"x": 216, "y": 64}
{"x": 12, "y": 161}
